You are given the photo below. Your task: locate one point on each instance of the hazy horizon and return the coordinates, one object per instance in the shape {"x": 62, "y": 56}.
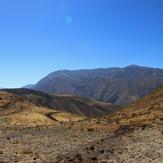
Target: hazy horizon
{"x": 42, "y": 36}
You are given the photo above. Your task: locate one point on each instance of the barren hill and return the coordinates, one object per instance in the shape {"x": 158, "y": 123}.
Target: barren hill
{"x": 119, "y": 86}
{"x": 18, "y": 99}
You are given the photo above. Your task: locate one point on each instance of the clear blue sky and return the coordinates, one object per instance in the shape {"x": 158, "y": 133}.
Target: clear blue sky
{"x": 41, "y": 36}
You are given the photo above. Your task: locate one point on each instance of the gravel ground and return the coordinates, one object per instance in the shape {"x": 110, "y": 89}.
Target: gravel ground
{"x": 60, "y": 144}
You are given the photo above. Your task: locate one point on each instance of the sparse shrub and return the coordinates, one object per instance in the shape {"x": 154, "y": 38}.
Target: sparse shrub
{"x": 102, "y": 151}
{"x": 90, "y": 129}
{"x": 94, "y": 158}
{"x": 161, "y": 119}
{"x": 98, "y": 122}
{"x": 27, "y": 152}
{"x": 8, "y": 138}
{"x": 133, "y": 115}
{"x": 92, "y": 148}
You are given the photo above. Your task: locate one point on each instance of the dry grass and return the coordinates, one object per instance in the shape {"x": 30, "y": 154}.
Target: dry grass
{"x": 37, "y": 116}
{"x": 144, "y": 112}
{"x": 67, "y": 117}
{"x": 32, "y": 116}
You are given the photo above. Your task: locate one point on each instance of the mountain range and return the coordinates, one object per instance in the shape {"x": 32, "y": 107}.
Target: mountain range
{"x": 120, "y": 86}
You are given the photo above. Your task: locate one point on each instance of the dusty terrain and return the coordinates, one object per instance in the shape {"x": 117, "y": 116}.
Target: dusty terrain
{"x": 32, "y": 134}
{"x": 66, "y": 103}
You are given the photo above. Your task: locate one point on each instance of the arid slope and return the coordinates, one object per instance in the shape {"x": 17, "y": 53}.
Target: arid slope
{"x": 28, "y": 107}
{"x": 133, "y": 134}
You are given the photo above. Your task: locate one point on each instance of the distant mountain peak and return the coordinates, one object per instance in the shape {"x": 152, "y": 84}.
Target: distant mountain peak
{"x": 133, "y": 66}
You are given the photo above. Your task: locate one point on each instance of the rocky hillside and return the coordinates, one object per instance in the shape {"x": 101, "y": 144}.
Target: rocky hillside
{"x": 119, "y": 86}
{"x": 17, "y": 99}
{"x": 135, "y": 134}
